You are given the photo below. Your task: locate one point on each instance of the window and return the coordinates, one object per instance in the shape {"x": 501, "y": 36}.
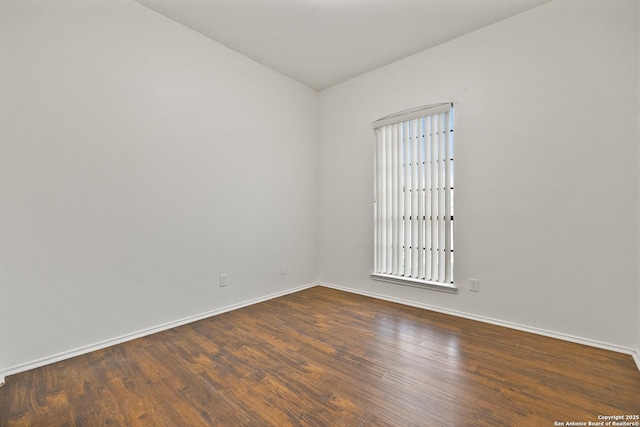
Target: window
{"x": 413, "y": 213}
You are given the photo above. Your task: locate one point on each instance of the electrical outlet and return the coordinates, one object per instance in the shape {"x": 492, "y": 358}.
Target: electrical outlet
{"x": 224, "y": 280}
{"x": 283, "y": 270}
{"x": 474, "y": 285}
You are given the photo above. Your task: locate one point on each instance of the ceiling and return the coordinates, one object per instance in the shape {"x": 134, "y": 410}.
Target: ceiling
{"x": 321, "y": 43}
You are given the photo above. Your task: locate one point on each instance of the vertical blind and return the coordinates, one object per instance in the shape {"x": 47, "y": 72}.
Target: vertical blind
{"x": 413, "y": 212}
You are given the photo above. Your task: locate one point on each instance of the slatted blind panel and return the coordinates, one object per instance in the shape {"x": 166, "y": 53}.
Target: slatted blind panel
{"x": 413, "y": 185}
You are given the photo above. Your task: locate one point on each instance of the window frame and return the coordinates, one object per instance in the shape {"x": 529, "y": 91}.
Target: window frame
{"x": 404, "y": 230}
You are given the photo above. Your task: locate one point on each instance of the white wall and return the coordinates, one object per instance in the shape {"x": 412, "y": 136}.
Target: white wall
{"x": 138, "y": 162}
{"x": 638, "y": 194}
{"x": 546, "y": 188}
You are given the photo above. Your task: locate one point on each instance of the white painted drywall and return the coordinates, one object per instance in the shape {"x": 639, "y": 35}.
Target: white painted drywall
{"x": 139, "y": 161}
{"x": 546, "y": 107}
{"x": 638, "y": 194}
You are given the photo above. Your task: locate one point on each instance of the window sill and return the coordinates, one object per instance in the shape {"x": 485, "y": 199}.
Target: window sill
{"x": 434, "y": 286}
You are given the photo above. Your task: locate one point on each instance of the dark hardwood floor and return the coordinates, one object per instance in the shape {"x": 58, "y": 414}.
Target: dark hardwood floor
{"x": 322, "y": 357}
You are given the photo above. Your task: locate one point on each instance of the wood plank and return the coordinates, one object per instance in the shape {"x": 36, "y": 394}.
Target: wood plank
{"x": 322, "y": 357}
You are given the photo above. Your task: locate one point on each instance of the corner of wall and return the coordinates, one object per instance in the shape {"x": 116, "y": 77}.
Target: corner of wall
{"x": 636, "y": 356}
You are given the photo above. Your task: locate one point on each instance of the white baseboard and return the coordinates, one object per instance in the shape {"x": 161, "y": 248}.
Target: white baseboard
{"x": 139, "y": 334}
{"x": 510, "y": 325}
{"x": 131, "y": 336}
{"x": 636, "y": 358}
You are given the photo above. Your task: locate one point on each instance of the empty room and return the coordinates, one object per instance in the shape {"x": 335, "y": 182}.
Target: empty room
{"x": 319, "y": 213}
